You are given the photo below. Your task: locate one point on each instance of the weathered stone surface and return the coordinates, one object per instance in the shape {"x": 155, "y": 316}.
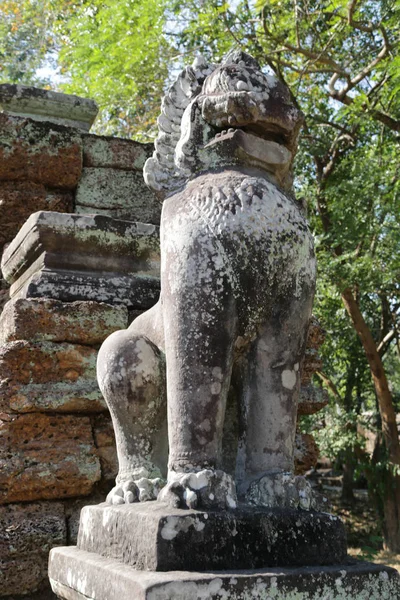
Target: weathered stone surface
{"x": 150, "y": 536}
{"x": 312, "y": 363}
{"x": 104, "y": 439}
{"x": 39, "y": 319}
{"x": 79, "y": 575}
{"x": 312, "y": 399}
{"x": 74, "y": 506}
{"x": 39, "y": 152}
{"x": 82, "y": 243}
{"x": 46, "y": 457}
{"x": 47, "y": 376}
{"x": 120, "y": 194}
{"x": 19, "y": 199}
{"x": 46, "y": 105}
{"x": 305, "y": 454}
{"x": 316, "y": 334}
{"x": 132, "y": 291}
{"x": 115, "y": 153}
{"x": 27, "y": 533}
{"x": 4, "y": 293}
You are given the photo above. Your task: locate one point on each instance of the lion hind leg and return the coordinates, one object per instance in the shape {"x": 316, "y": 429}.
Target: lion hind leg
{"x": 131, "y": 375}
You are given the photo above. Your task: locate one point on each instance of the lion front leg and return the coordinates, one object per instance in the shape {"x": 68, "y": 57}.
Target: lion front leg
{"x": 200, "y": 327}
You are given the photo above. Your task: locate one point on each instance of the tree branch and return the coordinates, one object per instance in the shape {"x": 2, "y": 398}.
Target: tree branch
{"x": 329, "y": 384}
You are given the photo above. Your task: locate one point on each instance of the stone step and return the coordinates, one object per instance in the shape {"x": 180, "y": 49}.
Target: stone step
{"x": 79, "y": 575}
{"x": 151, "y": 536}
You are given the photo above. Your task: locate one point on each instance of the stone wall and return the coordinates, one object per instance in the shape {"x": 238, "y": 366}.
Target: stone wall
{"x": 57, "y": 449}
{"x": 57, "y": 452}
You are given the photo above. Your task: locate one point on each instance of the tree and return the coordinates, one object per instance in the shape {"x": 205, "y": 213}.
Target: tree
{"x": 25, "y": 37}
{"x": 116, "y": 53}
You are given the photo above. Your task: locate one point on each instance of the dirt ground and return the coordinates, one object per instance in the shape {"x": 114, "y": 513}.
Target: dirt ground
{"x": 363, "y": 530}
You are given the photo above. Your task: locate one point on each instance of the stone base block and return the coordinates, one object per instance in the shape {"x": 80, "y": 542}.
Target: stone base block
{"x": 152, "y": 536}
{"x": 79, "y": 575}
{"x": 139, "y": 292}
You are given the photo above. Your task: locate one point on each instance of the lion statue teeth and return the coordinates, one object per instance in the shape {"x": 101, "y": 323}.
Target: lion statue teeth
{"x": 237, "y": 287}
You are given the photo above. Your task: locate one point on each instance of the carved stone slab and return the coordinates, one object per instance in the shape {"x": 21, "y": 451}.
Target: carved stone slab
{"x": 151, "y": 536}
{"x": 79, "y": 575}
{"x": 45, "y": 105}
{"x": 74, "y": 257}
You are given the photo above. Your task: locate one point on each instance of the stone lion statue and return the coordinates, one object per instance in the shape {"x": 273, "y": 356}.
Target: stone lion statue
{"x": 237, "y": 287}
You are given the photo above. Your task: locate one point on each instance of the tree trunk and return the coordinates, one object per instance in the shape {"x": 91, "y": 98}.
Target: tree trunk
{"x": 388, "y": 416}
{"x": 348, "y": 477}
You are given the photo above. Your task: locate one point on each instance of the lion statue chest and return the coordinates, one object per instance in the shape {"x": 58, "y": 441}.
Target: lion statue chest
{"x": 256, "y": 235}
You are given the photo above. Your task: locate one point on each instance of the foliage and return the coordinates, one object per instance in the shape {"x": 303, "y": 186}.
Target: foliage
{"x": 25, "y": 38}
{"x": 115, "y": 53}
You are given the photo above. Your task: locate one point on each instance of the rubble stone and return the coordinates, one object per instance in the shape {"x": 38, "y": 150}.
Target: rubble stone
{"x": 43, "y": 153}
{"x": 27, "y": 534}
{"x": 46, "y": 457}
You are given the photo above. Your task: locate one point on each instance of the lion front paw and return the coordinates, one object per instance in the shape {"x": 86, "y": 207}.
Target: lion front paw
{"x": 135, "y": 490}
{"x": 204, "y": 489}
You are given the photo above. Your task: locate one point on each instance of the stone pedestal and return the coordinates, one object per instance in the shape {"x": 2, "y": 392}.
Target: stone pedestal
{"x": 153, "y": 537}
{"x": 148, "y": 551}
{"x": 79, "y": 575}
{"x": 46, "y": 105}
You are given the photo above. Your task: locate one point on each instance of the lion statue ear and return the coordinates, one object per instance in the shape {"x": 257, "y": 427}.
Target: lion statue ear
{"x": 239, "y": 57}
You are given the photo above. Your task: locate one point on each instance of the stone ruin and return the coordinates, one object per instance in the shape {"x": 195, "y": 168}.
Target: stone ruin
{"x": 209, "y": 490}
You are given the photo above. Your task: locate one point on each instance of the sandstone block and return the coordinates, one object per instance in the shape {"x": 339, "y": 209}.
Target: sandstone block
{"x": 312, "y": 363}
{"x": 82, "y": 243}
{"x": 305, "y": 453}
{"x": 316, "y": 334}
{"x": 71, "y": 257}
{"x": 312, "y": 399}
{"x": 46, "y": 105}
{"x": 46, "y": 457}
{"x": 115, "y": 153}
{"x": 134, "y": 292}
{"x": 19, "y": 199}
{"x": 43, "y": 153}
{"x": 27, "y": 534}
{"x": 39, "y": 319}
{"x": 120, "y": 194}
{"x": 46, "y": 376}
